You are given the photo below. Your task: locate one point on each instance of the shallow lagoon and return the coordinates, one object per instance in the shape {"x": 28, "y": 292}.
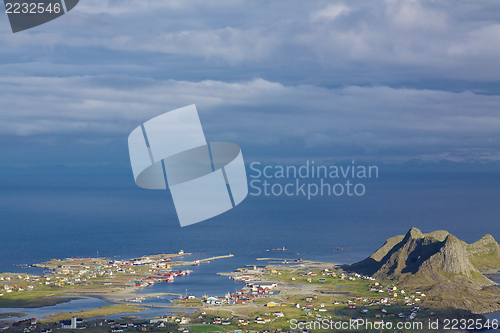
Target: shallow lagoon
{"x": 94, "y": 303}
{"x": 71, "y": 306}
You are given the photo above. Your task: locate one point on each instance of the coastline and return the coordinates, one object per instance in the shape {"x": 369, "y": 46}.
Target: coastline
{"x": 278, "y": 269}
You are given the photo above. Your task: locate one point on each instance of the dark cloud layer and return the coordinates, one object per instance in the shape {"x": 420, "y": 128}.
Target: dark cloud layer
{"x": 389, "y": 80}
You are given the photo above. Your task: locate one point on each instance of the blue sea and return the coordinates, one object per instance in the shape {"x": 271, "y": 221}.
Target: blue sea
{"x": 46, "y": 215}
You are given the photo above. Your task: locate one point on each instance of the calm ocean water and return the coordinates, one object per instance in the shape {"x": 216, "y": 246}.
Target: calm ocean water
{"x": 49, "y": 216}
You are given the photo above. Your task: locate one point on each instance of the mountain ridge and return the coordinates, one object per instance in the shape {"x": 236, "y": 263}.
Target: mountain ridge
{"x": 447, "y": 268}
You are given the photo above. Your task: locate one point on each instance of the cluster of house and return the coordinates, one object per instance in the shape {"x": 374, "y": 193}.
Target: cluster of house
{"x": 11, "y": 284}
{"x": 159, "y": 263}
{"x": 71, "y": 324}
{"x": 75, "y": 275}
{"x": 76, "y": 324}
{"x": 116, "y": 327}
{"x": 411, "y": 299}
{"x": 10, "y": 289}
{"x": 171, "y": 319}
{"x": 343, "y": 276}
{"x": 248, "y": 274}
{"x": 31, "y": 325}
{"x": 376, "y": 287}
{"x": 413, "y": 312}
{"x": 245, "y": 322}
{"x": 410, "y": 316}
{"x": 160, "y": 275}
{"x": 54, "y": 280}
{"x": 79, "y": 271}
{"x": 220, "y": 321}
{"x": 214, "y": 300}
{"x": 147, "y": 326}
{"x": 390, "y": 300}
{"x": 251, "y": 291}
{"x": 160, "y": 270}
{"x": 395, "y": 294}
{"x": 307, "y": 306}
{"x": 367, "y": 301}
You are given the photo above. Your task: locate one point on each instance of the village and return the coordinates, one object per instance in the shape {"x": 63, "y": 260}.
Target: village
{"x": 79, "y": 275}
{"x": 65, "y": 279}
{"x": 295, "y": 292}
{"x": 273, "y": 295}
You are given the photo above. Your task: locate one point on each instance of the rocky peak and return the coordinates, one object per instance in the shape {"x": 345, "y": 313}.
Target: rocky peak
{"x": 413, "y": 233}
{"x": 485, "y": 254}
{"x": 440, "y": 235}
{"x": 433, "y": 257}
{"x": 442, "y": 265}
{"x": 454, "y": 257}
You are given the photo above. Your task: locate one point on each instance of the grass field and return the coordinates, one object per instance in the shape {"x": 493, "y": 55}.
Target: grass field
{"x": 33, "y": 299}
{"x": 205, "y": 328}
{"x": 194, "y": 302}
{"x": 12, "y": 314}
{"x": 101, "y": 312}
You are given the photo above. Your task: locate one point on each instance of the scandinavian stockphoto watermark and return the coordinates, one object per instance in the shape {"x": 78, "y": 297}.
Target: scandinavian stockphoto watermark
{"x": 205, "y": 179}
{"x": 360, "y": 324}
{"x": 353, "y": 324}
{"x": 26, "y": 14}
{"x": 310, "y": 180}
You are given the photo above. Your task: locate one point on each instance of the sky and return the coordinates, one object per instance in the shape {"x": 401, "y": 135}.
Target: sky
{"x": 389, "y": 81}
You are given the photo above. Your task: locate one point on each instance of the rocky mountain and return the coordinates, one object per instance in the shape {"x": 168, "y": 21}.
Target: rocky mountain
{"x": 448, "y": 269}
{"x": 485, "y": 254}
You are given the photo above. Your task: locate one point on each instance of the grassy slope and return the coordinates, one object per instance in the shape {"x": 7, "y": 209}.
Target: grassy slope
{"x": 101, "y": 312}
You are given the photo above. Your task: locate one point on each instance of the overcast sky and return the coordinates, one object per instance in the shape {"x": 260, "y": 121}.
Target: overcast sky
{"x": 286, "y": 80}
